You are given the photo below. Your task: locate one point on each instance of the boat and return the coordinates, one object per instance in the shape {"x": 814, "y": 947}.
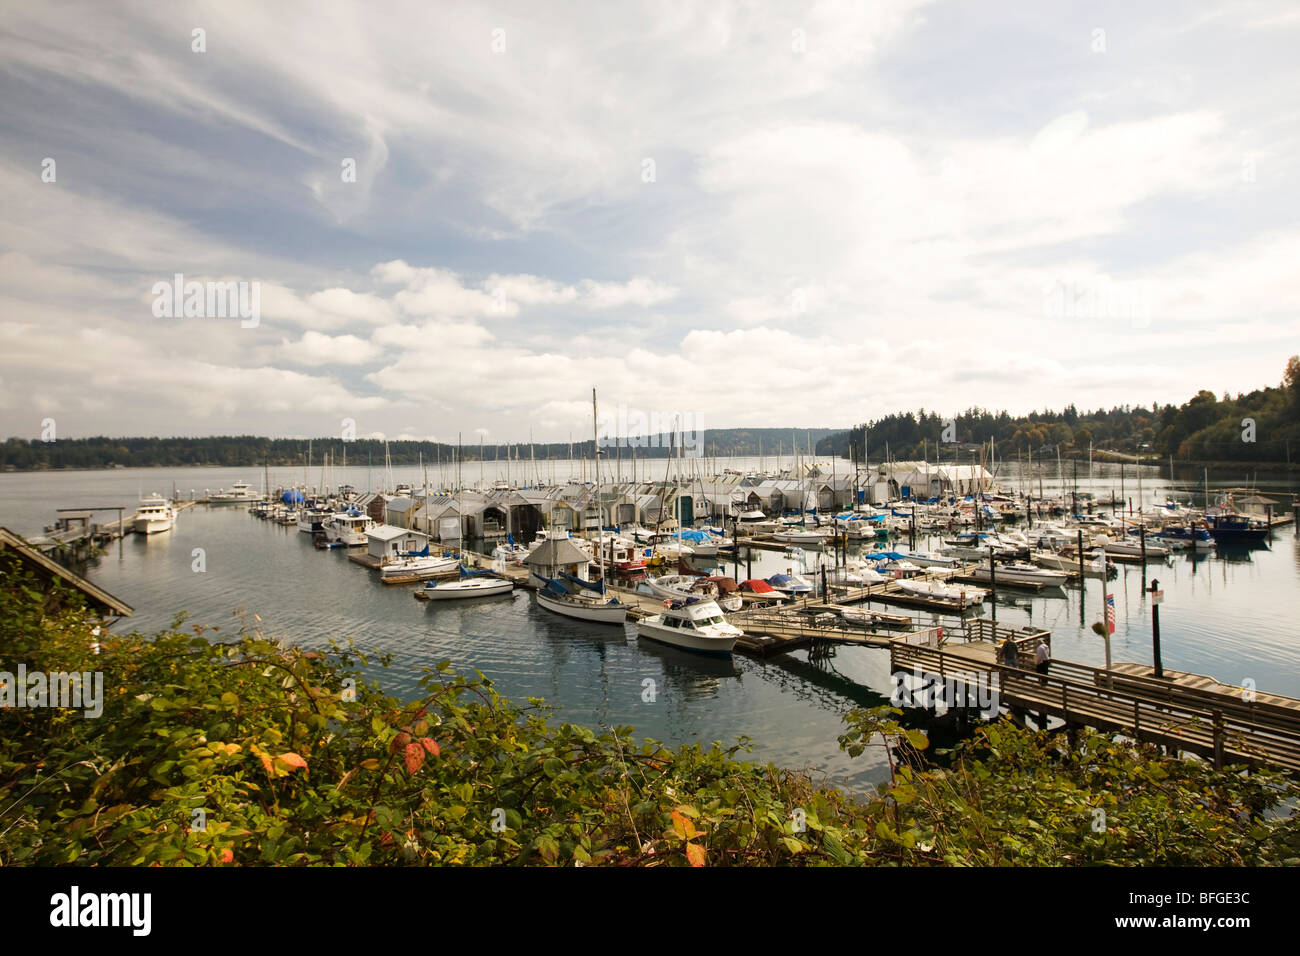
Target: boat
{"x": 1228, "y": 528}
{"x": 958, "y": 594}
{"x": 1130, "y": 548}
{"x": 791, "y": 585}
{"x": 1195, "y": 539}
{"x": 470, "y": 584}
{"x": 155, "y": 514}
{"x": 1064, "y": 562}
{"x": 597, "y": 608}
{"x": 813, "y": 536}
{"x": 691, "y": 625}
{"x": 311, "y": 519}
{"x": 1019, "y": 573}
{"x": 416, "y": 567}
{"x": 239, "y": 492}
{"x": 348, "y": 528}
{"x": 678, "y": 587}
{"x": 562, "y": 591}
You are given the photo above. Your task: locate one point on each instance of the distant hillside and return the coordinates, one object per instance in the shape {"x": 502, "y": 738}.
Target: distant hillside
{"x": 243, "y": 451}
{"x": 1263, "y": 425}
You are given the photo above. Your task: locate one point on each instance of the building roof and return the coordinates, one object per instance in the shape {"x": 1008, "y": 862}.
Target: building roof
{"x": 557, "y": 551}
{"x": 387, "y": 532}
{"x": 11, "y": 543}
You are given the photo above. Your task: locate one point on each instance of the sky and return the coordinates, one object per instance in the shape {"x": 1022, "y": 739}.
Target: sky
{"x": 462, "y": 217}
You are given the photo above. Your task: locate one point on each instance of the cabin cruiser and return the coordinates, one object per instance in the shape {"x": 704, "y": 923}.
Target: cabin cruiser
{"x": 691, "y": 625}
{"x": 311, "y": 519}
{"x": 958, "y": 594}
{"x": 1064, "y": 562}
{"x": 155, "y": 514}
{"x": 1133, "y": 549}
{"x": 239, "y": 492}
{"x": 348, "y": 528}
{"x": 1018, "y": 573}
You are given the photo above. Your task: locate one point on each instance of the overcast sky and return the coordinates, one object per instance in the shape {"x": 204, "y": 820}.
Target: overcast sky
{"x": 783, "y": 214}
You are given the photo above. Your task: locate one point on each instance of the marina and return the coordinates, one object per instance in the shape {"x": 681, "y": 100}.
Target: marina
{"x": 816, "y": 630}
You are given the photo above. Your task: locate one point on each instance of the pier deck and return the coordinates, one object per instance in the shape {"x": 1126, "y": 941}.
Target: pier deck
{"x": 1185, "y": 712}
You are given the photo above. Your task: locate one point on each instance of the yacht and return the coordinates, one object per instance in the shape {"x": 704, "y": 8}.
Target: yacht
{"x": 691, "y": 625}
{"x": 239, "y": 492}
{"x": 311, "y": 519}
{"x": 348, "y": 527}
{"x": 155, "y": 514}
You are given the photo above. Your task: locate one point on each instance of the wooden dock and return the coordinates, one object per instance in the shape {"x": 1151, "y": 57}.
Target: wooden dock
{"x": 1184, "y": 712}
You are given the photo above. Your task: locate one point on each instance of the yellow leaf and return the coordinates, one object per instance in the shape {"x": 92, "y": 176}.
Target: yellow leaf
{"x": 695, "y": 854}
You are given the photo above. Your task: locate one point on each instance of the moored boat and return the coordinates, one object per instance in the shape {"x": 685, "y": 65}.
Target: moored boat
{"x": 691, "y": 625}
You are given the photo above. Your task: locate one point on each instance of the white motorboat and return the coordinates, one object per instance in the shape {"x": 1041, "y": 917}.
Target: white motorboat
{"x": 679, "y": 587}
{"x": 929, "y": 559}
{"x": 312, "y": 519}
{"x": 471, "y": 586}
{"x": 1017, "y": 573}
{"x": 959, "y": 594}
{"x": 348, "y": 527}
{"x": 804, "y": 536}
{"x": 417, "y": 567}
{"x": 239, "y": 492}
{"x": 1063, "y": 562}
{"x": 697, "y": 626}
{"x": 863, "y": 575}
{"x": 1132, "y": 549}
{"x": 155, "y": 514}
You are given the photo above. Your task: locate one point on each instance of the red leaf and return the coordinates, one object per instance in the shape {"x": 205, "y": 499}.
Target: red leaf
{"x": 695, "y": 854}
{"x": 414, "y": 758}
{"x": 430, "y": 745}
{"x": 293, "y": 760}
{"x": 227, "y": 855}
{"x": 400, "y": 742}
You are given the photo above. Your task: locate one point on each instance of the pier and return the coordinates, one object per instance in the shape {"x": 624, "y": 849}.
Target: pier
{"x": 1184, "y": 712}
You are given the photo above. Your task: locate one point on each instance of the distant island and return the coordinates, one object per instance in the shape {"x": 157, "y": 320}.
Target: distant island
{"x": 243, "y": 451}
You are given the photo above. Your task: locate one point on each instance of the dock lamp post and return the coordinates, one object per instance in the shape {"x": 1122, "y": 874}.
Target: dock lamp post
{"x": 1156, "y": 597}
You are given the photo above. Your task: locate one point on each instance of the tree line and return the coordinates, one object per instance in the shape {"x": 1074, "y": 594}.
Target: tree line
{"x": 1262, "y": 425}
{"x": 243, "y": 451}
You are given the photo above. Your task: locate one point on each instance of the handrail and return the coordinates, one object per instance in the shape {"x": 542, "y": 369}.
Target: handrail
{"x": 1229, "y": 718}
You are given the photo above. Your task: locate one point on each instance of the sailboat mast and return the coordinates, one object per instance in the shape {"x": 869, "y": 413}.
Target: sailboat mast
{"x": 600, "y": 518}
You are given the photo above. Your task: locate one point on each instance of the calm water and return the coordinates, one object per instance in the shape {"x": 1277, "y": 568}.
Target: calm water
{"x": 1231, "y": 615}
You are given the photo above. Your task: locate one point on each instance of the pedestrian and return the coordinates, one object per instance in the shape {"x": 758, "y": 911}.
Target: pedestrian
{"x": 1010, "y": 656}
{"x": 1042, "y": 657}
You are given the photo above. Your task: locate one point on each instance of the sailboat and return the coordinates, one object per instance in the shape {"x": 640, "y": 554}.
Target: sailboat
{"x": 567, "y": 593}
{"x": 470, "y": 584}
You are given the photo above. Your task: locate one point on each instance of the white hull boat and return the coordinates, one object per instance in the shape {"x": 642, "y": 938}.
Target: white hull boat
{"x": 596, "y": 610}
{"x": 417, "y": 568}
{"x": 155, "y": 515}
{"x": 959, "y": 594}
{"x": 696, "y": 626}
{"x": 464, "y": 588}
{"x": 239, "y": 493}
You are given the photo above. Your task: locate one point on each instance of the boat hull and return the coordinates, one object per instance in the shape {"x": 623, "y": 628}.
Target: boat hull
{"x": 580, "y": 610}
{"x": 685, "y": 640}
{"x": 463, "y": 590}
